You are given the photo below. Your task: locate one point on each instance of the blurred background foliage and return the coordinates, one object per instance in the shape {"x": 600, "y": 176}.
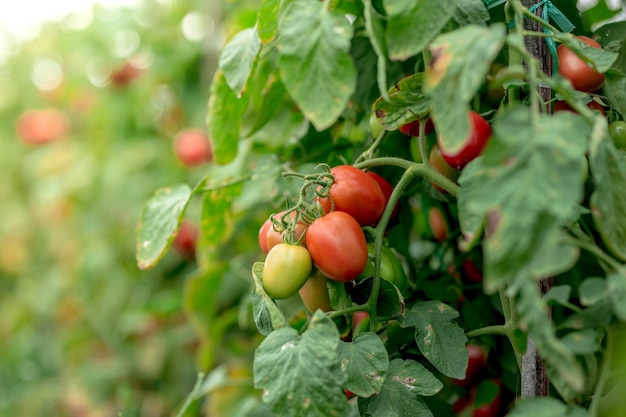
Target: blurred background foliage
{"x": 84, "y": 332}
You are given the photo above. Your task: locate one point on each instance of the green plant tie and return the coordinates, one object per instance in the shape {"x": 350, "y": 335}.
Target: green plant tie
{"x": 550, "y": 11}
{"x": 563, "y": 23}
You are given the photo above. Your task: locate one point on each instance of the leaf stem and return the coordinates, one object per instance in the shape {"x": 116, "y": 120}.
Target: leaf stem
{"x": 498, "y": 329}
{"x": 604, "y": 375}
{"x": 594, "y": 249}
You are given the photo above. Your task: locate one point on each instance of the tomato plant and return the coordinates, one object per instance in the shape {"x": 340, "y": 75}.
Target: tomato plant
{"x": 533, "y": 249}
{"x": 286, "y": 269}
{"x": 337, "y": 246}
{"x": 356, "y": 193}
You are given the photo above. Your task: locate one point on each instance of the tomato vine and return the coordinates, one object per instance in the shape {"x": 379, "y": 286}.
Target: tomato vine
{"x": 519, "y": 195}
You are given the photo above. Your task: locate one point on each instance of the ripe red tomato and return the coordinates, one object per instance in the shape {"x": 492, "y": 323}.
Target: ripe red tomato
{"x": 40, "y": 126}
{"x": 562, "y": 105}
{"x": 356, "y": 193}
{"x": 475, "y": 142}
{"x": 460, "y": 405}
{"x": 358, "y": 319}
{"x": 286, "y": 269}
{"x": 273, "y": 237}
{"x": 337, "y": 246}
{"x": 577, "y": 71}
{"x": 265, "y": 227}
{"x": 387, "y": 189}
{"x": 471, "y": 271}
{"x": 438, "y": 224}
{"x": 314, "y": 293}
{"x": 185, "y": 241}
{"x": 476, "y": 364}
{"x": 439, "y": 164}
{"x": 192, "y": 147}
{"x": 491, "y": 408}
{"x": 413, "y": 128}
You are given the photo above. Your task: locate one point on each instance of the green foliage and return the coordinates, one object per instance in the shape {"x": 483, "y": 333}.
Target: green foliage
{"x": 296, "y": 387}
{"x": 300, "y": 81}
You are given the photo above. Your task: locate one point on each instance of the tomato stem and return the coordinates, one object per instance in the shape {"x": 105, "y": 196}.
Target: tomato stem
{"x": 418, "y": 168}
{"x": 498, "y": 329}
{"x": 369, "y": 152}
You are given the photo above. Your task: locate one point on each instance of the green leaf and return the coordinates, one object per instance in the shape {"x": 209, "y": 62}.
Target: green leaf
{"x": 592, "y": 290}
{"x": 224, "y": 119}
{"x": 471, "y": 12}
{"x": 314, "y": 60}
{"x": 390, "y": 301}
{"x": 438, "y": 336}
{"x": 451, "y": 86}
{"x": 559, "y": 293}
{"x": 583, "y": 342}
{"x": 365, "y": 361}
{"x": 267, "y": 20}
{"x": 406, "y": 102}
{"x": 238, "y": 59}
{"x": 599, "y": 314}
{"x": 267, "y": 316}
{"x": 412, "y": 24}
{"x": 538, "y": 407}
{"x": 399, "y": 397}
{"x": 301, "y": 375}
{"x": 159, "y": 220}
{"x": 527, "y": 184}
{"x": 615, "y": 79}
{"x": 616, "y": 288}
{"x": 608, "y": 201}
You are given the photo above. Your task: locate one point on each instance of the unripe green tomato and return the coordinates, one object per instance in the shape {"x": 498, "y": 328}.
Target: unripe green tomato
{"x": 286, "y": 269}
{"x": 390, "y": 267}
{"x": 617, "y": 130}
{"x": 314, "y": 293}
{"x": 375, "y": 127}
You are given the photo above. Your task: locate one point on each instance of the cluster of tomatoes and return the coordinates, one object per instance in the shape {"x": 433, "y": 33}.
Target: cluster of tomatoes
{"x": 305, "y": 248}
{"x": 481, "y": 394}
